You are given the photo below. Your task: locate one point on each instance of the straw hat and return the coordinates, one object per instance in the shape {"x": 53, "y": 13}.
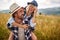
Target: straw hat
{"x": 14, "y": 7}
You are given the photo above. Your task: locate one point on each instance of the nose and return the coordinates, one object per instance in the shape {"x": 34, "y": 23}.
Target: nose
{"x": 23, "y": 13}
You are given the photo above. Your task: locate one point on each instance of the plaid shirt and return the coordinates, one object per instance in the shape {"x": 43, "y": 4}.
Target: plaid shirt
{"x": 15, "y": 29}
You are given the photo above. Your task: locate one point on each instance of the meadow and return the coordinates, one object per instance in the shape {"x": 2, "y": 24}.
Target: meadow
{"x": 47, "y": 28}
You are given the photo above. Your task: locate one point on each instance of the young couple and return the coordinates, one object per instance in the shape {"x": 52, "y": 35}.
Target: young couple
{"x": 22, "y": 21}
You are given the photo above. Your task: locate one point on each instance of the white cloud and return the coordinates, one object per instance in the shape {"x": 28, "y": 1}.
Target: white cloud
{"x": 55, "y": 1}
{"x": 4, "y": 4}
{"x": 48, "y": 3}
{"x": 5, "y": 1}
{"x": 22, "y": 2}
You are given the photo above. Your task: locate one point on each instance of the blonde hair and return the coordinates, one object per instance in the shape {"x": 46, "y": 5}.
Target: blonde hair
{"x": 27, "y": 8}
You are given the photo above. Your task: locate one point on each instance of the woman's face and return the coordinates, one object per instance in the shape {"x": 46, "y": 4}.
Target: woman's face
{"x": 31, "y": 8}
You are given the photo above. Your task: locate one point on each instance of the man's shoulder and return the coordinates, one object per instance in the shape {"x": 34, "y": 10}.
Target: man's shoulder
{"x": 10, "y": 20}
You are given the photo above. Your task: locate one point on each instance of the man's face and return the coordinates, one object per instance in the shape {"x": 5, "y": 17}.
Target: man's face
{"x": 20, "y": 13}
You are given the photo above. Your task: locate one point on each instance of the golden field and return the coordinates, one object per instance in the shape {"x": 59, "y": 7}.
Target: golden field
{"x": 47, "y": 28}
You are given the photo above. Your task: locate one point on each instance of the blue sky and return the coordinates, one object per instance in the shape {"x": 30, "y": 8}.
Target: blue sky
{"x": 5, "y": 4}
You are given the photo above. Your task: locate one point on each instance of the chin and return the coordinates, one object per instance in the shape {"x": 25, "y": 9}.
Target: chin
{"x": 20, "y": 16}
{"x": 30, "y": 11}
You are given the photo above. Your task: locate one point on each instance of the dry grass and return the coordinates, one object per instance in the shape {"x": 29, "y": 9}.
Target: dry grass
{"x": 47, "y": 28}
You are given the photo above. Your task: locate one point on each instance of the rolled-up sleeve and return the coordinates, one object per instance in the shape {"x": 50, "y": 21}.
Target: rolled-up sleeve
{"x": 32, "y": 25}
{"x": 9, "y": 23}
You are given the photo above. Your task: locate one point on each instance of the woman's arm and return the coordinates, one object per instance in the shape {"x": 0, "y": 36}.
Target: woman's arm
{"x": 34, "y": 15}
{"x": 19, "y": 25}
{"x": 11, "y": 23}
{"x": 33, "y": 20}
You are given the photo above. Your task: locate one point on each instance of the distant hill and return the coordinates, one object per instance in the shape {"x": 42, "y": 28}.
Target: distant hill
{"x": 4, "y": 11}
{"x": 54, "y": 11}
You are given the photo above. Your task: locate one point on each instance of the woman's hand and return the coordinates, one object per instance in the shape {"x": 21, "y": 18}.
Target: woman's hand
{"x": 35, "y": 10}
{"x": 25, "y": 26}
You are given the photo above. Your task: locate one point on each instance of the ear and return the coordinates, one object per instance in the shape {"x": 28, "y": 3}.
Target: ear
{"x": 15, "y": 14}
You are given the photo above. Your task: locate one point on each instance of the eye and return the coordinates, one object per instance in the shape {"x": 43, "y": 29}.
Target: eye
{"x": 21, "y": 10}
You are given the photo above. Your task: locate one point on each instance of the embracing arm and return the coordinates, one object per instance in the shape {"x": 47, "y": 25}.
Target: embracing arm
{"x": 11, "y": 23}
{"x": 20, "y": 25}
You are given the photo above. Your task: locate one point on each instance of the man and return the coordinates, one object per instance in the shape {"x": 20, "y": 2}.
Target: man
{"x": 29, "y": 10}
{"x": 17, "y": 15}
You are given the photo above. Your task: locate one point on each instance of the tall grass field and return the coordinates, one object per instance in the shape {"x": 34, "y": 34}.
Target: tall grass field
{"x": 47, "y": 27}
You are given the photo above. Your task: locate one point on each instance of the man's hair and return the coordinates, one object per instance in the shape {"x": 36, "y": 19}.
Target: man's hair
{"x": 13, "y": 15}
